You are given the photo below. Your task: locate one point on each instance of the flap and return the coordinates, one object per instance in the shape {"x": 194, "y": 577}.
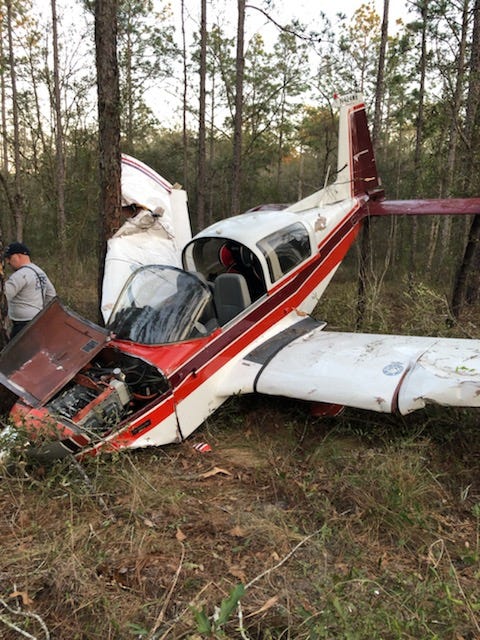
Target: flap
{"x": 47, "y": 354}
{"x": 377, "y": 372}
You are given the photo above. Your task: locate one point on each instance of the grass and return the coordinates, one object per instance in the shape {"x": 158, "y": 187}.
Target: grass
{"x": 361, "y": 527}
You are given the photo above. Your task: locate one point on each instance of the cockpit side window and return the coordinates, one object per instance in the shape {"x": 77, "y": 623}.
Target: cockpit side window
{"x": 285, "y": 249}
{"x": 202, "y": 256}
{"x": 214, "y": 256}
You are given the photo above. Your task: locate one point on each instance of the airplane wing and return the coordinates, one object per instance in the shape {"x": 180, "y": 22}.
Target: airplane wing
{"x": 156, "y": 233}
{"x": 385, "y": 373}
{"x": 434, "y": 206}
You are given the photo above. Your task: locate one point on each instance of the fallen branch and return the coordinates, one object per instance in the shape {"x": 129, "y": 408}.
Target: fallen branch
{"x": 242, "y": 630}
{"x": 10, "y": 625}
{"x": 283, "y": 560}
{"x": 25, "y": 614}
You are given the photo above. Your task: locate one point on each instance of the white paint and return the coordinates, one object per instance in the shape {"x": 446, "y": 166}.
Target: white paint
{"x": 367, "y": 371}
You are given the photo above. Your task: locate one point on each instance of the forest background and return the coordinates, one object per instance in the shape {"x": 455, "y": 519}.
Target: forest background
{"x": 362, "y": 527}
{"x": 419, "y": 75}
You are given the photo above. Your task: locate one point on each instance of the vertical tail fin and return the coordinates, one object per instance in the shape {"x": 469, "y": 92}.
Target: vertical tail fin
{"x": 356, "y": 168}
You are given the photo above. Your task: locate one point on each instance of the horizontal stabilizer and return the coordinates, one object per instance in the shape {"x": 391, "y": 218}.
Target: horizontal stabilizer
{"x": 428, "y": 207}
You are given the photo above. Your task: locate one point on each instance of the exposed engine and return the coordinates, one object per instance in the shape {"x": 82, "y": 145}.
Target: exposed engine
{"x": 102, "y": 395}
{"x": 93, "y": 408}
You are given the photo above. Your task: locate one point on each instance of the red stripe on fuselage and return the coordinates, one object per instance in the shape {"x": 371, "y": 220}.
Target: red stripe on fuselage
{"x": 155, "y": 415}
{"x": 229, "y": 343}
{"x": 289, "y": 295}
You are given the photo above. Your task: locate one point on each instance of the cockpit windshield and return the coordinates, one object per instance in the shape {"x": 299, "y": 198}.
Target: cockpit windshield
{"x": 160, "y": 305}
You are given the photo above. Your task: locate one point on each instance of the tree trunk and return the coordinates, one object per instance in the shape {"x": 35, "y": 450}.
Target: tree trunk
{"x": 461, "y": 280}
{"x": 238, "y": 123}
{"x": 421, "y": 98}
{"x": 364, "y": 261}
{"x": 380, "y": 88}
{"x": 470, "y": 135}
{"x": 128, "y": 88}
{"x": 59, "y": 157}
{"x": 418, "y": 138}
{"x": 449, "y": 175}
{"x": 472, "y": 102}
{"x": 18, "y": 212}
{"x": 4, "y": 322}
{"x": 35, "y": 100}
{"x": 202, "y": 149}
{"x": 109, "y": 125}
{"x": 4, "y": 107}
{"x": 281, "y": 128}
{"x": 211, "y": 151}
{"x": 365, "y": 241}
{"x": 185, "y": 103}
{"x": 4, "y": 170}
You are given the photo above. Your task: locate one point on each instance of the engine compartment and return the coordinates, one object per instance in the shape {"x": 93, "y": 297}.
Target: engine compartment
{"x": 102, "y": 397}
{"x": 110, "y": 388}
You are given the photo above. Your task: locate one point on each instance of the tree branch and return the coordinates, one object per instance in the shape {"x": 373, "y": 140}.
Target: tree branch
{"x": 313, "y": 38}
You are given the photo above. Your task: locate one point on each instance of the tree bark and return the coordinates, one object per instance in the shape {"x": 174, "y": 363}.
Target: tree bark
{"x": 185, "y": 97}
{"x": 238, "y": 122}
{"x": 109, "y": 125}
{"x": 460, "y": 288}
{"x": 18, "y": 212}
{"x": 202, "y": 149}
{"x": 419, "y": 132}
{"x": 59, "y": 155}
{"x": 365, "y": 240}
{"x": 470, "y": 134}
{"x": 4, "y": 171}
{"x": 380, "y": 88}
{"x": 472, "y": 102}
{"x": 449, "y": 175}
{"x": 4, "y": 107}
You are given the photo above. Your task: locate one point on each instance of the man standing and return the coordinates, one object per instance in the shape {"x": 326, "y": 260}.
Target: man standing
{"x": 27, "y": 290}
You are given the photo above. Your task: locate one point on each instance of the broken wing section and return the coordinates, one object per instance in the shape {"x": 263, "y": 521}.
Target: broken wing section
{"x": 155, "y": 230}
{"x": 384, "y": 373}
{"x": 447, "y": 373}
{"x": 146, "y": 189}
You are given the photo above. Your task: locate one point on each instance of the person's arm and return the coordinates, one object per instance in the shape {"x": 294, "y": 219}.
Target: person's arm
{"x": 14, "y": 285}
{"x": 50, "y": 292}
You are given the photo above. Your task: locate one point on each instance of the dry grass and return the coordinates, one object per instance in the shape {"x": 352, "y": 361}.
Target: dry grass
{"x": 373, "y": 521}
{"x": 361, "y": 527}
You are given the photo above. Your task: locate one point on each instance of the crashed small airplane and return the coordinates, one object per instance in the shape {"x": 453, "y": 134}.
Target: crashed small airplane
{"x": 189, "y": 322}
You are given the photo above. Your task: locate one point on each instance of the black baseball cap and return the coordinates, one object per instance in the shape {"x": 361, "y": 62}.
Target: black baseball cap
{"x": 16, "y": 247}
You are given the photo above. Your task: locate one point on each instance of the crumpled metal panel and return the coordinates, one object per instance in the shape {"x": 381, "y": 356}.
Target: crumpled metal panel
{"x": 447, "y": 373}
{"x": 47, "y": 354}
{"x": 385, "y": 373}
